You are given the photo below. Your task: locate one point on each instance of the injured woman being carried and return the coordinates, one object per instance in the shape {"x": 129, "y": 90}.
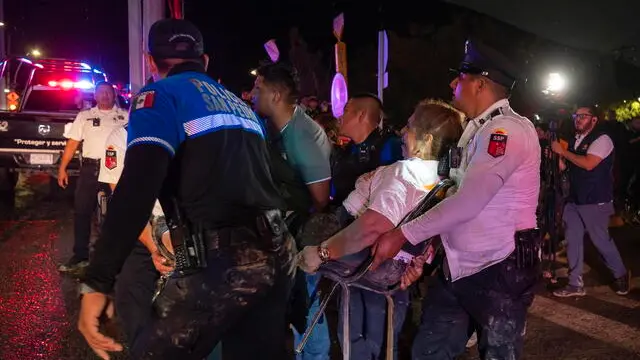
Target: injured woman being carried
{"x": 383, "y": 197}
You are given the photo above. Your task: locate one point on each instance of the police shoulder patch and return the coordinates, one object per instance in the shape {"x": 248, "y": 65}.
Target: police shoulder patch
{"x": 497, "y": 143}
{"x": 110, "y": 158}
{"x": 143, "y": 100}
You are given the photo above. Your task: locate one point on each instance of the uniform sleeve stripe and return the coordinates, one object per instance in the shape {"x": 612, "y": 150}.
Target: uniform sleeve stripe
{"x": 153, "y": 140}
{"x": 217, "y": 122}
{"x": 317, "y": 181}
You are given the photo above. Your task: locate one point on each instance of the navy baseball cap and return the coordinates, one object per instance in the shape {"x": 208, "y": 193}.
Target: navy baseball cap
{"x": 175, "y": 39}
{"x": 480, "y": 59}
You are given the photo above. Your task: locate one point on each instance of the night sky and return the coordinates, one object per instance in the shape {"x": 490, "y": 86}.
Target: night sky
{"x": 235, "y": 31}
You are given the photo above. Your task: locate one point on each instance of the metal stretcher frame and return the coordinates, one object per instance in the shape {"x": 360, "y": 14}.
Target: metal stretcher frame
{"x": 347, "y": 282}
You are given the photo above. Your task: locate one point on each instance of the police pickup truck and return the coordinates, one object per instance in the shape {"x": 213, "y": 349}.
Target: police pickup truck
{"x": 39, "y": 99}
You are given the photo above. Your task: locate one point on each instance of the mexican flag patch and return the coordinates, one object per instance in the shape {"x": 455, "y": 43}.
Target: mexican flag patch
{"x": 144, "y": 100}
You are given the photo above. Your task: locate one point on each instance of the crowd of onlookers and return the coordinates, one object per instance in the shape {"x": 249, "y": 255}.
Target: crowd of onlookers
{"x": 625, "y": 136}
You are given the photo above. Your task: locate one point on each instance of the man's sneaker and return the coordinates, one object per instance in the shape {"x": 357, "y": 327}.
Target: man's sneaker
{"x": 569, "y": 291}
{"x": 73, "y": 265}
{"x": 622, "y": 285}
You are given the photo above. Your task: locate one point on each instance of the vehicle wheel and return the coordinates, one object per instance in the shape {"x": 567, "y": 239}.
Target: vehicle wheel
{"x": 8, "y": 179}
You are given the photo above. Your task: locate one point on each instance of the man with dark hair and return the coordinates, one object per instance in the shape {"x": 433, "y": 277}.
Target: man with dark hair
{"x": 370, "y": 147}
{"x": 590, "y": 159}
{"x": 300, "y": 161}
{"x": 190, "y": 141}
{"x": 91, "y": 127}
{"x": 300, "y": 141}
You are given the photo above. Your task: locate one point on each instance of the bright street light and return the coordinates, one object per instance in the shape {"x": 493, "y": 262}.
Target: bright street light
{"x": 555, "y": 83}
{"x": 1, "y": 24}
{"x": 35, "y": 53}
{"x": 254, "y": 72}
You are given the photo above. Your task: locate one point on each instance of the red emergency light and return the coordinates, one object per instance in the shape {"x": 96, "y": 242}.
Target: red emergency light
{"x": 68, "y": 84}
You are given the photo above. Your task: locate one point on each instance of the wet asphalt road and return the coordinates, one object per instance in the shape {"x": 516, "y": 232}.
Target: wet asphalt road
{"x": 39, "y": 307}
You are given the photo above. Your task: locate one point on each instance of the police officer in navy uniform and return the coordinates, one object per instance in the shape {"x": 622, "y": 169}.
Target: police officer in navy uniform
{"x": 201, "y": 151}
{"x": 369, "y": 148}
{"x": 487, "y": 227}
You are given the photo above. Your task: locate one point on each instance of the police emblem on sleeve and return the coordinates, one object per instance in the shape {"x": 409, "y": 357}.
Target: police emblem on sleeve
{"x": 110, "y": 158}
{"x": 144, "y": 100}
{"x": 497, "y": 143}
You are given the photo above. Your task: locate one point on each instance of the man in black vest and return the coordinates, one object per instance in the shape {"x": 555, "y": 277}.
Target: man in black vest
{"x": 590, "y": 204}
{"x": 369, "y": 148}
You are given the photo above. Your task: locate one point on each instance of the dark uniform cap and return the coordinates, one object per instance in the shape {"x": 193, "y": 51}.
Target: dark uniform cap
{"x": 175, "y": 39}
{"x": 480, "y": 59}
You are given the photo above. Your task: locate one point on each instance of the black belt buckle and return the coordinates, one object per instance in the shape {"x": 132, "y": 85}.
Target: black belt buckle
{"x": 528, "y": 248}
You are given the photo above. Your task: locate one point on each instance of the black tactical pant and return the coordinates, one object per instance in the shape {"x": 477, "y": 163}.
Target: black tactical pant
{"x": 240, "y": 299}
{"x": 134, "y": 288}
{"x": 85, "y": 202}
{"x": 493, "y": 301}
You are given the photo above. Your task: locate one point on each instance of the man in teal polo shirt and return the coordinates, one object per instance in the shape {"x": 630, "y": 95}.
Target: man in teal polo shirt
{"x": 300, "y": 167}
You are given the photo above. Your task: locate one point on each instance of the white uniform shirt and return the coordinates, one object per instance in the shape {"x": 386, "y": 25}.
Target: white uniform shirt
{"x": 93, "y": 126}
{"x": 393, "y": 191}
{"x": 497, "y": 195}
{"x": 113, "y": 151}
{"x": 600, "y": 147}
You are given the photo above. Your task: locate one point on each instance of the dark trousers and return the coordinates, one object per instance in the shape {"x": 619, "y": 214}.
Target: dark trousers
{"x": 368, "y": 323}
{"x": 493, "y": 301}
{"x": 134, "y": 288}
{"x": 85, "y": 202}
{"x": 240, "y": 299}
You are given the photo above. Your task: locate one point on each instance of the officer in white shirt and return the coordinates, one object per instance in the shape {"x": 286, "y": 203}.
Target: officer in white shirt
{"x": 487, "y": 227}
{"x": 91, "y": 128}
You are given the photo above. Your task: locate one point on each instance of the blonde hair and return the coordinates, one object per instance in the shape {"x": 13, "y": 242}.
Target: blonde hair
{"x": 440, "y": 120}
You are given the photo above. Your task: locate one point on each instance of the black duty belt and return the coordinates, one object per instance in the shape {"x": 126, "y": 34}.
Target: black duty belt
{"x": 90, "y": 161}
{"x": 527, "y": 253}
{"x": 191, "y": 245}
